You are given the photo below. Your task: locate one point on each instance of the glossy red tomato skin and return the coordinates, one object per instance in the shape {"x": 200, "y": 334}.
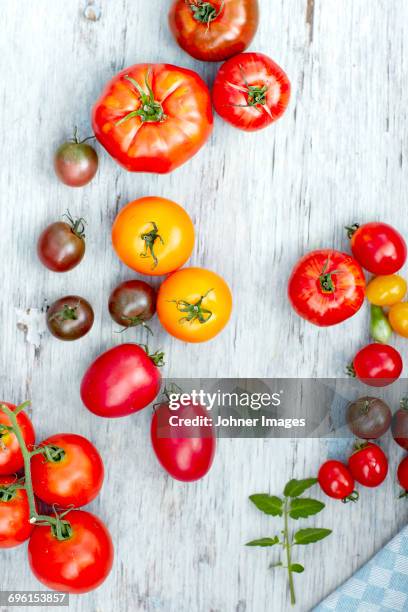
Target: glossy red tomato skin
{"x": 379, "y": 248}
{"x": 75, "y": 480}
{"x": 336, "y": 480}
{"x": 378, "y": 365}
{"x": 230, "y": 33}
{"x": 15, "y": 526}
{"x": 369, "y": 465}
{"x": 11, "y": 459}
{"x": 230, "y": 91}
{"x": 121, "y": 381}
{"x": 162, "y": 146}
{"x": 402, "y": 473}
{"x": 321, "y": 307}
{"x": 185, "y": 458}
{"x": 77, "y": 565}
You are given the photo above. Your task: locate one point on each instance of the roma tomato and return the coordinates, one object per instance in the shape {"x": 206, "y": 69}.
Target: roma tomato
{"x": 368, "y": 465}
{"x": 121, "y": 381}
{"x": 153, "y": 117}
{"x": 15, "y": 526}
{"x": 386, "y": 290}
{"x": 11, "y": 458}
{"x": 213, "y": 31}
{"x": 77, "y": 564}
{"x": 336, "y": 481}
{"x": 185, "y": 452}
{"x": 153, "y": 236}
{"x": 251, "y": 91}
{"x": 399, "y": 425}
{"x": 326, "y": 287}
{"x": 194, "y": 304}
{"x": 398, "y": 318}
{"x": 377, "y": 365}
{"x": 378, "y": 247}
{"x": 68, "y": 473}
{"x": 61, "y": 245}
{"x": 132, "y": 303}
{"x": 402, "y": 474}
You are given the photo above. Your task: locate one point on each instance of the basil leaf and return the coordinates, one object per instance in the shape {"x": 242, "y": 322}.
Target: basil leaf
{"x": 311, "y": 535}
{"x": 264, "y": 542}
{"x": 269, "y": 504}
{"x": 297, "y": 568}
{"x": 294, "y": 487}
{"x": 302, "y": 507}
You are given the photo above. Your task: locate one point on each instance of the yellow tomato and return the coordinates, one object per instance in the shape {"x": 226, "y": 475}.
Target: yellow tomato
{"x": 194, "y": 304}
{"x": 398, "y": 318}
{"x": 153, "y": 236}
{"x": 386, "y": 290}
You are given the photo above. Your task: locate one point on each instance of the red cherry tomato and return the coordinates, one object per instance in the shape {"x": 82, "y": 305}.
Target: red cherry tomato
{"x": 377, "y": 365}
{"x": 326, "y": 287}
{"x": 402, "y": 474}
{"x": 336, "y": 481}
{"x": 75, "y": 565}
{"x": 15, "y": 526}
{"x": 251, "y": 91}
{"x": 70, "y": 473}
{"x": 186, "y": 451}
{"x": 369, "y": 465}
{"x": 11, "y": 459}
{"x": 121, "y": 381}
{"x": 378, "y": 247}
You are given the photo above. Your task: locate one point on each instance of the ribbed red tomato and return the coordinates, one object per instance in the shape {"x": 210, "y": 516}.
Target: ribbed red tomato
{"x": 15, "y": 526}
{"x": 326, "y": 287}
{"x": 378, "y": 247}
{"x": 11, "y": 458}
{"x": 377, "y": 365}
{"x": 369, "y": 465}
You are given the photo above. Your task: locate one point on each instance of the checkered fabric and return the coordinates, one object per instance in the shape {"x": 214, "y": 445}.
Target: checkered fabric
{"x": 379, "y": 586}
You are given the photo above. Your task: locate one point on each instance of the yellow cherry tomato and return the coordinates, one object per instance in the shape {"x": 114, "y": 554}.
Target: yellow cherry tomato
{"x": 398, "y": 318}
{"x": 153, "y": 236}
{"x": 386, "y": 290}
{"x": 194, "y": 304}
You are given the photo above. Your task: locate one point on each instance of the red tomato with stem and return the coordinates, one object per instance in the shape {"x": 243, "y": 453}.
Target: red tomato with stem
{"x": 368, "y": 465}
{"x": 326, "y": 287}
{"x": 377, "y": 365}
{"x": 69, "y": 472}
{"x": 123, "y": 380}
{"x": 378, "y": 247}
{"x": 153, "y": 117}
{"x": 15, "y": 526}
{"x": 215, "y": 30}
{"x": 185, "y": 452}
{"x": 77, "y": 564}
{"x": 336, "y": 481}
{"x": 251, "y": 91}
{"x": 402, "y": 475}
{"x": 11, "y": 458}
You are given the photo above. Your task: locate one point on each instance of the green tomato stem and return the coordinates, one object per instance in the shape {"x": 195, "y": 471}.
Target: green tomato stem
{"x": 287, "y": 547}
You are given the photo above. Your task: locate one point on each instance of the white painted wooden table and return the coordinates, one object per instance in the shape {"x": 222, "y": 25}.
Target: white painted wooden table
{"x": 258, "y": 201}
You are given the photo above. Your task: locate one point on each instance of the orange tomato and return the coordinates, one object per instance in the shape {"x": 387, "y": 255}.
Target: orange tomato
{"x": 153, "y": 236}
{"x": 194, "y": 304}
{"x": 386, "y": 290}
{"x": 398, "y": 317}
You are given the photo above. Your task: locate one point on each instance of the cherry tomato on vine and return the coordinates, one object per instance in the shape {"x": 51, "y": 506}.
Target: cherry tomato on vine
{"x": 133, "y": 303}
{"x": 336, "y": 481}
{"x": 185, "y": 452}
{"x": 15, "y": 526}
{"x": 215, "y": 30}
{"x": 69, "y": 472}
{"x": 386, "y": 290}
{"x": 326, "y": 287}
{"x": 378, "y": 247}
{"x": 377, "y": 365}
{"x": 398, "y": 318}
{"x": 61, "y": 245}
{"x": 70, "y": 318}
{"x": 402, "y": 475}
{"x": 369, "y": 465}
{"x": 11, "y": 458}
{"x": 399, "y": 426}
{"x": 368, "y": 417}
{"x": 153, "y": 236}
{"x": 76, "y": 162}
{"x": 153, "y": 117}
{"x": 77, "y": 564}
{"x": 194, "y": 304}
{"x": 121, "y": 381}
{"x": 251, "y": 91}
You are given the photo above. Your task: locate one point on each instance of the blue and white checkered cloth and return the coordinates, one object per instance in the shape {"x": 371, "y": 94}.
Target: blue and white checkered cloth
{"x": 379, "y": 586}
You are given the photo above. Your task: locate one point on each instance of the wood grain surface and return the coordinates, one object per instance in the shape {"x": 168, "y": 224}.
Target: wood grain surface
{"x": 258, "y": 202}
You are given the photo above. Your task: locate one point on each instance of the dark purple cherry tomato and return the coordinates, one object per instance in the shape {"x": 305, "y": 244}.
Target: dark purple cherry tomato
{"x": 132, "y": 303}
{"x": 76, "y": 162}
{"x": 399, "y": 425}
{"x": 368, "y": 417}
{"x": 61, "y": 245}
{"x": 70, "y": 318}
